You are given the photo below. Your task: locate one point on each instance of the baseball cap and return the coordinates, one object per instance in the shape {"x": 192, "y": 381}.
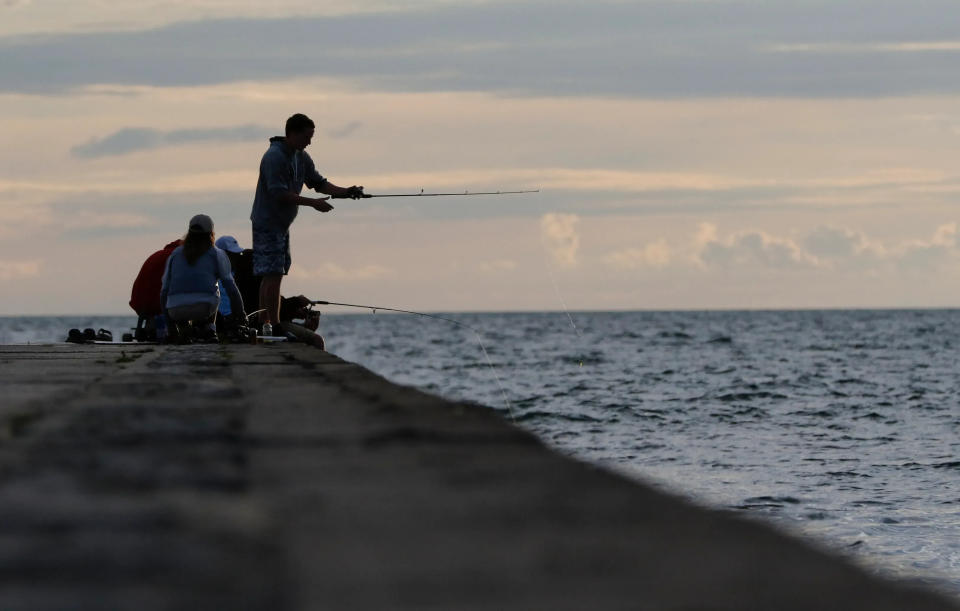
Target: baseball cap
{"x": 228, "y": 243}
{"x": 201, "y": 223}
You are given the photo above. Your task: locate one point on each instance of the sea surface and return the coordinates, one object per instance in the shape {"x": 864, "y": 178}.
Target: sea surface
{"x": 841, "y": 426}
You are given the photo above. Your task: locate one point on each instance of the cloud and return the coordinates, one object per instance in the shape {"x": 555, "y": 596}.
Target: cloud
{"x": 828, "y": 248}
{"x": 655, "y": 254}
{"x": 560, "y": 237}
{"x": 947, "y": 123}
{"x": 938, "y": 250}
{"x": 81, "y": 216}
{"x": 563, "y": 190}
{"x": 946, "y": 235}
{"x": 836, "y": 246}
{"x": 836, "y": 242}
{"x": 344, "y": 131}
{"x": 593, "y": 180}
{"x": 136, "y": 139}
{"x": 751, "y": 247}
{"x": 123, "y": 141}
{"x": 10, "y": 270}
{"x": 839, "y": 47}
{"x": 656, "y": 48}
{"x": 333, "y": 271}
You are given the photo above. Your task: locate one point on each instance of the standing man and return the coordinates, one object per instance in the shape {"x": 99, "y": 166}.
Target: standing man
{"x": 284, "y": 169}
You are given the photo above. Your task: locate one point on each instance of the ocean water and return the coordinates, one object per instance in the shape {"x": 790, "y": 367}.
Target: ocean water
{"x": 840, "y": 426}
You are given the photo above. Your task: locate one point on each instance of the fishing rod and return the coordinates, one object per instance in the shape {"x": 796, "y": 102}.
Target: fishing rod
{"x": 422, "y": 194}
{"x": 375, "y": 308}
{"x": 434, "y": 316}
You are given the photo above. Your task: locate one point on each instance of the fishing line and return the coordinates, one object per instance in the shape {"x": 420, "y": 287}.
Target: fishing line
{"x": 252, "y": 314}
{"x": 556, "y": 289}
{"x": 566, "y": 310}
{"x": 476, "y": 332}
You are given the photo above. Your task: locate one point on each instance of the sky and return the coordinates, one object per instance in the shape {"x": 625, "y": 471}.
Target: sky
{"x": 691, "y": 154}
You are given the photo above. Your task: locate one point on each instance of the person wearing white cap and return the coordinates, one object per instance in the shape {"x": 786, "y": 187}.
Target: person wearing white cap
{"x": 190, "y": 289}
{"x": 249, "y": 285}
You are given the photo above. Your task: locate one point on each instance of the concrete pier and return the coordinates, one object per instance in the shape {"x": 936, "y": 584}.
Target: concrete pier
{"x": 281, "y": 477}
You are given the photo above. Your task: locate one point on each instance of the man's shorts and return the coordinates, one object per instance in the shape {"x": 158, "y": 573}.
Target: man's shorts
{"x": 271, "y": 252}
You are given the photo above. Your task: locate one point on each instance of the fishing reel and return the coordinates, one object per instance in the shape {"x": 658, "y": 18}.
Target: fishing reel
{"x": 235, "y": 330}
{"x": 310, "y": 319}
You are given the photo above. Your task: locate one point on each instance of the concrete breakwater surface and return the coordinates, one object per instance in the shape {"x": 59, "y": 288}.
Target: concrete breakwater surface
{"x": 839, "y": 425}
{"x": 281, "y": 477}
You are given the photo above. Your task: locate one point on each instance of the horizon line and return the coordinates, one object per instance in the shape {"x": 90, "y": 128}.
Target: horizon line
{"x": 382, "y": 311}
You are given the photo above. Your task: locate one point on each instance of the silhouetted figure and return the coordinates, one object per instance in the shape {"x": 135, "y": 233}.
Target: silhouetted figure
{"x": 145, "y": 294}
{"x": 284, "y": 170}
{"x": 190, "y": 291}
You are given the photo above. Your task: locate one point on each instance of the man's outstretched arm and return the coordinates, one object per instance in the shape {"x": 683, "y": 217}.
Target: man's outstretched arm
{"x": 320, "y": 184}
{"x": 329, "y": 188}
{"x": 319, "y": 203}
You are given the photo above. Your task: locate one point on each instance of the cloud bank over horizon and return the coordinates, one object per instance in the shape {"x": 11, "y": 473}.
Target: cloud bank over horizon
{"x": 656, "y": 48}
{"x": 136, "y": 139}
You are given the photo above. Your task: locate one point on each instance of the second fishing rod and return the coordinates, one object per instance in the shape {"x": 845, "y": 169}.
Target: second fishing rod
{"x": 475, "y": 331}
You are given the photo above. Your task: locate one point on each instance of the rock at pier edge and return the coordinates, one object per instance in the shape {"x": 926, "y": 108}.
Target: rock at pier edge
{"x": 281, "y": 477}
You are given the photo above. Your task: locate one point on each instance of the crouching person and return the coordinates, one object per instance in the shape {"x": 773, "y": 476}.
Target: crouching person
{"x": 145, "y": 294}
{"x": 189, "y": 291}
